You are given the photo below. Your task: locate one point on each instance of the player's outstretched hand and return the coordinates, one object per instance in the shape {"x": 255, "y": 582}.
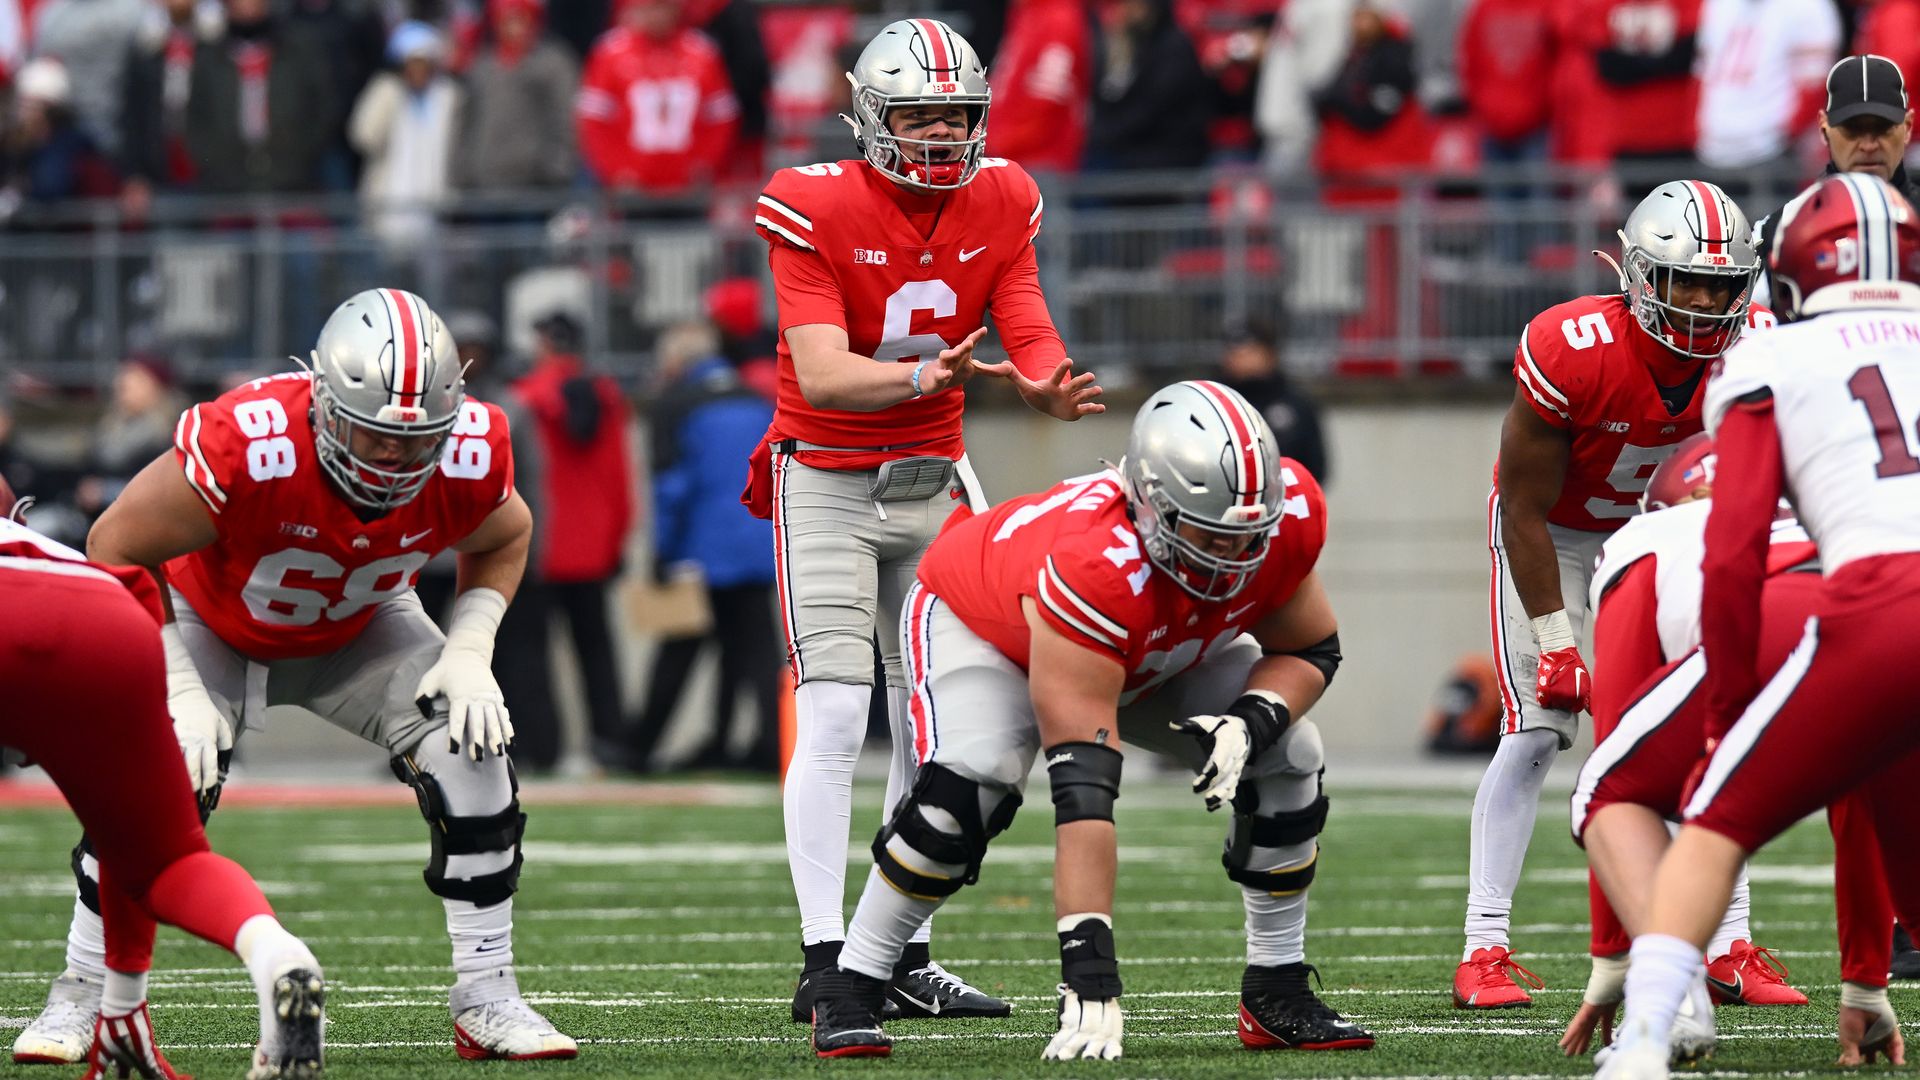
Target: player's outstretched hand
{"x": 1578, "y": 1038}
{"x": 1228, "y": 746}
{"x": 1866, "y": 1034}
{"x": 953, "y": 366}
{"x": 1063, "y": 396}
{"x": 477, "y": 719}
{"x": 1088, "y": 1029}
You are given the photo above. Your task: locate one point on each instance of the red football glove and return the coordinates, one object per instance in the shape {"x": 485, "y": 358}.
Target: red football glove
{"x": 1564, "y": 684}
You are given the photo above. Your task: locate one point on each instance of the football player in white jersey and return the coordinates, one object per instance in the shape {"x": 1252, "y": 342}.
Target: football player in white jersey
{"x": 1823, "y": 409}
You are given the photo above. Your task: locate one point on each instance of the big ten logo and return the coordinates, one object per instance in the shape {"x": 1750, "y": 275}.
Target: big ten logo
{"x": 869, "y": 257}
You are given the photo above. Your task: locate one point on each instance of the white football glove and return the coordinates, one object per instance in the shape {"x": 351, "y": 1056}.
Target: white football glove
{"x": 201, "y": 728}
{"x": 1088, "y": 1029}
{"x": 1228, "y": 747}
{"x": 477, "y": 720}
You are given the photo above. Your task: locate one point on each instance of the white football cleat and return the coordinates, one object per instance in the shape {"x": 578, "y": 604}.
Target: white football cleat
{"x": 63, "y": 1032}
{"x": 294, "y": 1052}
{"x": 1634, "y": 1055}
{"x": 1693, "y": 1036}
{"x": 511, "y": 1030}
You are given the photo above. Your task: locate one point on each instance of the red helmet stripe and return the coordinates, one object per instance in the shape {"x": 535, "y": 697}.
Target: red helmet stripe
{"x": 409, "y": 375}
{"x": 1251, "y": 481}
{"x": 939, "y": 58}
{"x": 1713, "y": 231}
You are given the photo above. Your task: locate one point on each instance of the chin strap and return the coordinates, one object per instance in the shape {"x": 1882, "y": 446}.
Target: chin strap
{"x": 1608, "y": 259}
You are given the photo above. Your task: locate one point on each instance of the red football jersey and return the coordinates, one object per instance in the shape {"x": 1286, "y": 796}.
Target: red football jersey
{"x": 295, "y": 571}
{"x": 846, "y": 252}
{"x": 655, "y": 116}
{"x": 1074, "y": 550}
{"x": 22, "y": 549}
{"x": 1589, "y": 369}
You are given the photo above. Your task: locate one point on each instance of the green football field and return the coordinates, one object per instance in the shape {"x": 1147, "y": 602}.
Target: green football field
{"x": 663, "y": 935}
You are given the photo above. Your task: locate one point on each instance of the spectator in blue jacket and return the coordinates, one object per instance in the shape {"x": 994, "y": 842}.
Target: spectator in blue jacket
{"x": 704, "y": 424}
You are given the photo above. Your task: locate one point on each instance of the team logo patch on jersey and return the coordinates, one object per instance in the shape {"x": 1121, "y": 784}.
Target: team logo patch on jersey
{"x": 1615, "y": 425}
{"x": 294, "y": 528}
{"x": 869, "y": 257}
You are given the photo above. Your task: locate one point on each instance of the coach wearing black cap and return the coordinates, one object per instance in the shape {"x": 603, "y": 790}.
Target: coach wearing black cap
{"x": 1866, "y": 124}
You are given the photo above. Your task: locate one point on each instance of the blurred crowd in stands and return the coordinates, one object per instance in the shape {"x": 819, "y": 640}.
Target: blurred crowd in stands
{"x": 412, "y": 100}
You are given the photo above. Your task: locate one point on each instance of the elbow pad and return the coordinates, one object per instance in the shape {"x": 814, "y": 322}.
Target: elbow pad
{"x": 1323, "y": 654}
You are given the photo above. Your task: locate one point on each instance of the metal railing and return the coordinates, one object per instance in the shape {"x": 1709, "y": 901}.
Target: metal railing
{"x": 1434, "y": 274}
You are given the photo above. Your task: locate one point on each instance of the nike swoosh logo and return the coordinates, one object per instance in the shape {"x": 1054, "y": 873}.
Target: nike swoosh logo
{"x": 407, "y": 541}
{"x": 965, "y": 255}
{"x": 1730, "y": 989}
{"x": 1237, "y": 612}
{"x": 1244, "y": 1026}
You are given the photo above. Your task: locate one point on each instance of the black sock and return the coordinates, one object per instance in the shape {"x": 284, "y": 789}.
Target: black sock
{"x": 916, "y": 955}
{"x": 821, "y": 954}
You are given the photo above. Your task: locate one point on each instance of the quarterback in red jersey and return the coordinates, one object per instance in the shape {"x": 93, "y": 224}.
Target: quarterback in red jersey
{"x": 1607, "y": 385}
{"x": 1170, "y": 602}
{"x": 63, "y": 621}
{"x": 289, "y": 521}
{"x": 885, "y": 269}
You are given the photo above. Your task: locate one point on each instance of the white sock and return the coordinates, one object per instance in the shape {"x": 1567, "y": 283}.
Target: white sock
{"x": 1734, "y": 926}
{"x": 883, "y": 923}
{"x": 1661, "y": 968}
{"x": 1276, "y": 927}
{"x": 122, "y": 992}
{"x": 831, "y": 722}
{"x": 87, "y": 944}
{"x": 266, "y": 947}
{"x": 1504, "y": 810}
{"x": 901, "y": 767}
{"x": 482, "y": 940}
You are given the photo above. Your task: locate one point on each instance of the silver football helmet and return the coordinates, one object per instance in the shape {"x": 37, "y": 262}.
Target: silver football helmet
{"x": 387, "y": 389}
{"x": 1690, "y": 227}
{"x": 1203, "y": 481}
{"x": 919, "y": 62}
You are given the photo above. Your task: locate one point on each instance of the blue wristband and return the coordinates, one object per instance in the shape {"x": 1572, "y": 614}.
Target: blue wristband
{"x": 917, "y": 369}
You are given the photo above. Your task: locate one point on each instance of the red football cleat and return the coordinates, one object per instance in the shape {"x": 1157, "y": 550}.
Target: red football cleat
{"x": 1483, "y": 981}
{"x": 1750, "y": 975}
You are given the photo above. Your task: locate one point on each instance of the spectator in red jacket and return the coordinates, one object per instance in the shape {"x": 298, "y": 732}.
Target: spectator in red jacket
{"x": 1507, "y": 53}
{"x": 1043, "y": 85}
{"x": 656, "y": 112}
{"x": 1633, "y": 95}
{"x": 587, "y": 484}
{"x": 1370, "y": 120}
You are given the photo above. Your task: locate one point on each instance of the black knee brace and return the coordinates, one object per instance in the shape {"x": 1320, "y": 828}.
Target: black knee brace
{"x": 466, "y": 836}
{"x": 1252, "y": 829}
{"x": 940, "y": 787}
{"x": 89, "y": 888}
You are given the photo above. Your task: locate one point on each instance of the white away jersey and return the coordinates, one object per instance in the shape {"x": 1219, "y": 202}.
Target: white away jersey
{"x": 1676, "y": 540}
{"x": 1846, "y": 399}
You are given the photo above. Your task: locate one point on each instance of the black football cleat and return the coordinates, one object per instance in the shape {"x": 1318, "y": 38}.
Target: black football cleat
{"x": 1279, "y": 1012}
{"x": 846, "y": 1015}
{"x": 931, "y": 992}
{"x": 804, "y": 989}
{"x": 1906, "y": 958}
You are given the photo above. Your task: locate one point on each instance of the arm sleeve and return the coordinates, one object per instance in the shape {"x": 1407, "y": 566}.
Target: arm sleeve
{"x": 805, "y": 290}
{"x": 1020, "y": 314}
{"x": 1626, "y": 644}
{"x": 1745, "y": 494}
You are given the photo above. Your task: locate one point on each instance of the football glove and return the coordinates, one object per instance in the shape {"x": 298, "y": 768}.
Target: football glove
{"x": 202, "y": 729}
{"x": 1088, "y": 1028}
{"x": 477, "y": 718}
{"x": 1562, "y": 682}
{"x": 1254, "y": 723}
